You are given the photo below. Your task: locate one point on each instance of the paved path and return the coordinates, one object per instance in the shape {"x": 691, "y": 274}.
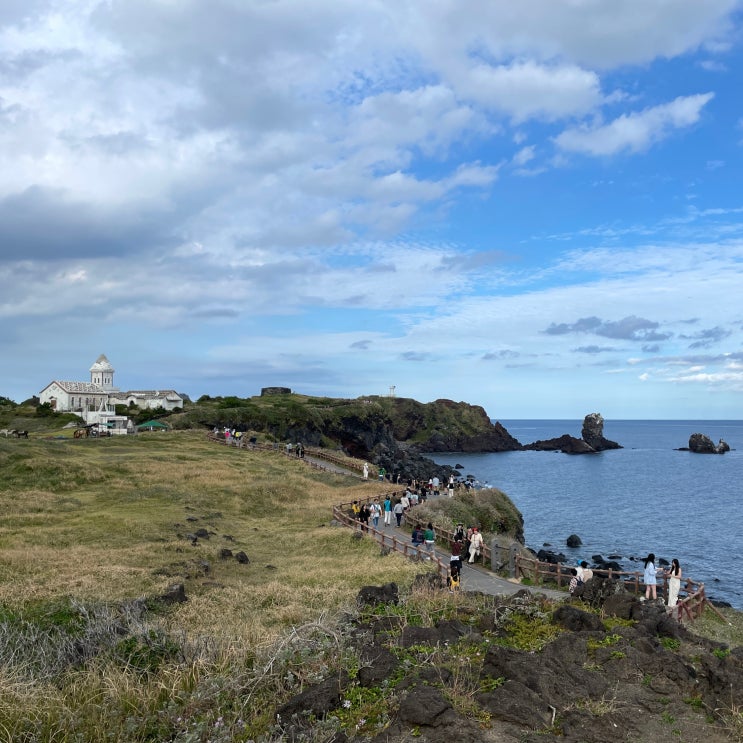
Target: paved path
{"x": 474, "y": 577}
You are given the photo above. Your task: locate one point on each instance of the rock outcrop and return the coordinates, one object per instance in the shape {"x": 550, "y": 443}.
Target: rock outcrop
{"x": 576, "y": 687}
{"x": 701, "y": 444}
{"x": 593, "y": 433}
{"x": 592, "y": 439}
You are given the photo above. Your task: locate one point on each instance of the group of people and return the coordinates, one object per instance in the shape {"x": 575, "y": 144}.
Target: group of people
{"x": 434, "y": 486}
{"x": 650, "y": 579}
{"x": 583, "y": 573}
{"x": 580, "y": 575}
{"x": 465, "y": 543}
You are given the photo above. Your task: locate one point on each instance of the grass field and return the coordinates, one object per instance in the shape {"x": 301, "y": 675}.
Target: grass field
{"x": 92, "y": 530}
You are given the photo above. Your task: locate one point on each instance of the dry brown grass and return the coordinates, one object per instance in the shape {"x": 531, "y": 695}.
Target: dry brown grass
{"x": 108, "y": 520}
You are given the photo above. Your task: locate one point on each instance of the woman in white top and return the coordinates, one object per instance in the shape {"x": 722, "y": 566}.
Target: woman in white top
{"x": 674, "y": 582}
{"x": 475, "y": 544}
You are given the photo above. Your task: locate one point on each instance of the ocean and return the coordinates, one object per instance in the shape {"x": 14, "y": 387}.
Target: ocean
{"x": 643, "y": 498}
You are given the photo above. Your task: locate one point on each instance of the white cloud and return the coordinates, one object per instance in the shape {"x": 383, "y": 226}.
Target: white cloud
{"x": 634, "y": 132}
{"x": 525, "y": 90}
{"x": 524, "y": 155}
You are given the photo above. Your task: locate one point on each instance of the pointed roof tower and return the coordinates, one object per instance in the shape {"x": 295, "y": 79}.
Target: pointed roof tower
{"x": 102, "y": 373}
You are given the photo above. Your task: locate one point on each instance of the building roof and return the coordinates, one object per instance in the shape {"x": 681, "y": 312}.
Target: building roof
{"x": 86, "y": 388}
{"x": 172, "y": 394}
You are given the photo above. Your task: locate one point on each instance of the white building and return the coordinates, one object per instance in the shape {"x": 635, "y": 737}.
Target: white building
{"x": 95, "y": 401}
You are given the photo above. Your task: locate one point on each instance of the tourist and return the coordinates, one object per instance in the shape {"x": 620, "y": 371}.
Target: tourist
{"x": 382, "y": 473}
{"x": 456, "y": 554}
{"x": 405, "y": 501}
{"x": 366, "y": 471}
{"x": 587, "y": 572}
{"x": 475, "y": 545}
{"x": 649, "y": 577}
{"x": 674, "y": 582}
{"x": 398, "y": 510}
{"x": 376, "y": 511}
{"x": 364, "y": 517}
{"x": 417, "y": 537}
{"x": 429, "y": 537}
{"x": 575, "y": 581}
{"x": 453, "y": 579}
{"x": 387, "y": 510}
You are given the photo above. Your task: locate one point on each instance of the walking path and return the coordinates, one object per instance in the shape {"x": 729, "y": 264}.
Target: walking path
{"x": 475, "y": 577}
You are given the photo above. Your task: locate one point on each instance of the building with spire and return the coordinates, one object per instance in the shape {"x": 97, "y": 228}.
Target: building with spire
{"x": 95, "y": 401}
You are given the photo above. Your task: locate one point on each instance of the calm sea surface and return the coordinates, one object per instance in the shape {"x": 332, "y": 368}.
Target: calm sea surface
{"x": 643, "y": 498}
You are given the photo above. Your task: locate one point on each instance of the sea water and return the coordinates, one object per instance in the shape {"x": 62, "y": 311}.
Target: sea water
{"x": 645, "y": 497}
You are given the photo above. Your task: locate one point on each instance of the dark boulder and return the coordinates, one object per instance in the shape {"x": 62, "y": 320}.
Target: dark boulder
{"x": 316, "y": 701}
{"x": 176, "y": 594}
{"x": 701, "y": 444}
{"x": 574, "y": 541}
{"x": 566, "y": 444}
{"x": 377, "y": 664}
{"x": 576, "y": 619}
{"x": 374, "y": 595}
{"x": 424, "y": 705}
{"x": 551, "y": 557}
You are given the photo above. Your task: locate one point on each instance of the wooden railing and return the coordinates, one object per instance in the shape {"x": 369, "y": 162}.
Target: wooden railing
{"x": 690, "y": 607}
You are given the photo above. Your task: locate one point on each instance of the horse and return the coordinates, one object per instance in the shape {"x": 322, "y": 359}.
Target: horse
{"x": 19, "y": 434}
{"x": 5, "y": 432}
{"x": 81, "y": 433}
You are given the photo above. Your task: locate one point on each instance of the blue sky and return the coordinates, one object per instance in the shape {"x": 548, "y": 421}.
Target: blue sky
{"x": 532, "y": 206}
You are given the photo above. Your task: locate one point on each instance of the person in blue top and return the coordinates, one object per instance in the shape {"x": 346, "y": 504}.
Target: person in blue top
{"x": 387, "y": 511}
{"x": 649, "y": 577}
{"x": 417, "y": 536}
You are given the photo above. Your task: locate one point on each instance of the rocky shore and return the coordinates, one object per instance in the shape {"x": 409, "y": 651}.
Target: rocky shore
{"x": 520, "y": 669}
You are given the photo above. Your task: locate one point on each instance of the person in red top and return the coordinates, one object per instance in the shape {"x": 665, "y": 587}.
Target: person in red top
{"x": 456, "y": 554}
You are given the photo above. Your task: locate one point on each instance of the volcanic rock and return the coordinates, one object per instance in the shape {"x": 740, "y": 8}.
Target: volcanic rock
{"x": 701, "y": 444}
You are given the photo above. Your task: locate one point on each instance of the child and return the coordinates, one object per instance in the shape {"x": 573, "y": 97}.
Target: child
{"x": 452, "y": 580}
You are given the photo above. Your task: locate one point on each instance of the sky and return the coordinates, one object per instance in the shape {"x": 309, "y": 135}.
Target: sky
{"x": 535, "y": 207}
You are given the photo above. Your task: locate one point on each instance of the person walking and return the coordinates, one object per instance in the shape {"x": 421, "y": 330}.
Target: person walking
{"x": 398, "y": 510}
{"x": 429, "y": 537}
{"x": 364, "y": 517}
{"x": 475, "y": 545}
{"x": 456, "y": 554}
{"x": 674, "y": 582}
{"x": 387, "y": 510}
{"x": 375, "y": 511}
{"x": 366, "y": 470}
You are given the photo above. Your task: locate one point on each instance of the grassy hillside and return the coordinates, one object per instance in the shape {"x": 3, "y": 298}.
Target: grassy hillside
{"x": 91, "y": 526}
